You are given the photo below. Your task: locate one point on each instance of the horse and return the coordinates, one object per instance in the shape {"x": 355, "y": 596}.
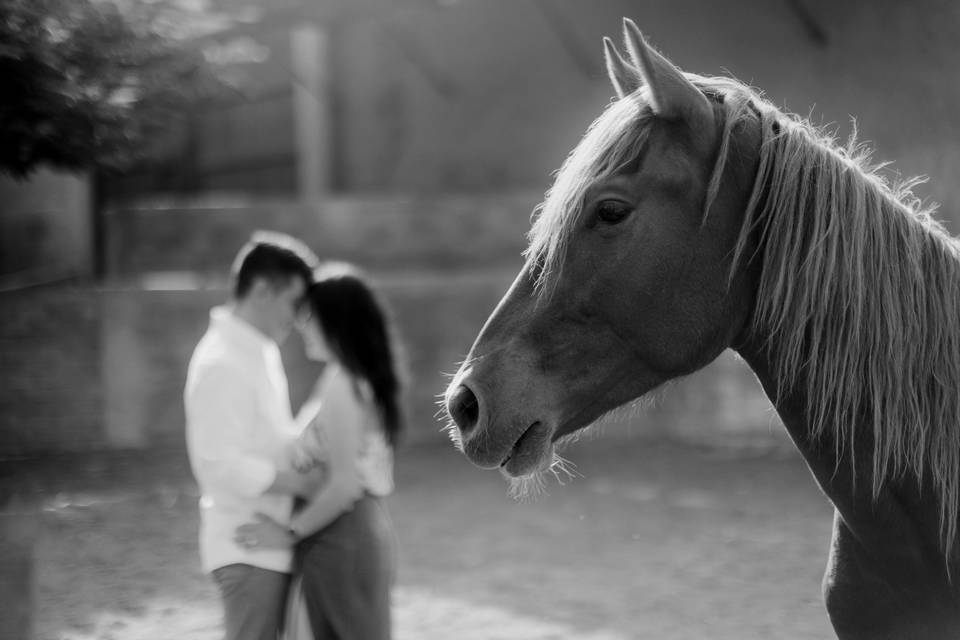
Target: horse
{"x": 693, "y": 217}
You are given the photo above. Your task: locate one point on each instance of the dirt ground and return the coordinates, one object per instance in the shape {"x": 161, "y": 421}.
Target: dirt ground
{"x": 652, "y": 541}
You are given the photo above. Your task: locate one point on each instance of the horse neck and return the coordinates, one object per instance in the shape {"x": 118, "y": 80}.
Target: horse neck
{"x": 791, "y": 404}
{"x": 845, "y": 264}
{"x": 903, "y": 514}
{"x": 877, "y": 428}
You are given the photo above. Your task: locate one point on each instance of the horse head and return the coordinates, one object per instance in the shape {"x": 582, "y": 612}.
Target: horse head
{"x": 627, "y": 282}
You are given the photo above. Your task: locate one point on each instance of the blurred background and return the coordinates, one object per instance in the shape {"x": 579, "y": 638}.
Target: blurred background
{"x": 144, "y": 140}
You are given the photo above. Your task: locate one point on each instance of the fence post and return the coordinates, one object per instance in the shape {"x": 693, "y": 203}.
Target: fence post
{"x": 125, "y": 369}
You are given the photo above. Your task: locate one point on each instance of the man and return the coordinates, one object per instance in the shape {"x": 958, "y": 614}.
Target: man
{"x": 238, "y": 420}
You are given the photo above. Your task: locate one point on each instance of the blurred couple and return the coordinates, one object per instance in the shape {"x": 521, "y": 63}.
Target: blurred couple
{"x": 293, "y": 525}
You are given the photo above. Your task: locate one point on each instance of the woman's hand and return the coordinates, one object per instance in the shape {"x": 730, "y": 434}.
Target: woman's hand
{"x": 266, "y": 533}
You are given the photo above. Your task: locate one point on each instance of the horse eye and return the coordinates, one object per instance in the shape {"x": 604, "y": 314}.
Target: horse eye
{"x": 612, "y": 211}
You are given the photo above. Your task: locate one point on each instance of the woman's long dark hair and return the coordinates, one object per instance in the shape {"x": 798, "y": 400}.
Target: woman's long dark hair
{"x": 358, "y": 330}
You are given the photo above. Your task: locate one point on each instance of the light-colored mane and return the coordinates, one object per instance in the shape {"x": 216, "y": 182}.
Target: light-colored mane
{"x": 859, "y": 295}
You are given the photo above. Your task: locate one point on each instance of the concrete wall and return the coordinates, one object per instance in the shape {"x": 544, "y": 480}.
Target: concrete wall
{"x": 378, "y": 231}
{"x": 103, "y": 366}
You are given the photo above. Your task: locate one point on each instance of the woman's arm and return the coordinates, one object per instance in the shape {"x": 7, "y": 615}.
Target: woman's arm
{"x": 309, "y": 449}
{"x": 343, "y": 417}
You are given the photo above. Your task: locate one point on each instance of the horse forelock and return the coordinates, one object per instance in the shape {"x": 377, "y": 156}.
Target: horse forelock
{"x": 613, "y": 140}
{"x": 858, "y": 301}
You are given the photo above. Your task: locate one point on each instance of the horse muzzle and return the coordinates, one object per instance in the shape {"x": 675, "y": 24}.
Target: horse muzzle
{"x": 516, "y": 445}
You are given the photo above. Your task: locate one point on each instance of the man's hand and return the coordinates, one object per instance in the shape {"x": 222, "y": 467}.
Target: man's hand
{"x": 265, "y": 533}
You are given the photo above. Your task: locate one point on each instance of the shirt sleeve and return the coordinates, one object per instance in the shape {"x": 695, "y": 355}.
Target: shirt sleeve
{"x": 221, "y": 417}
{"x": 342, "y": 417}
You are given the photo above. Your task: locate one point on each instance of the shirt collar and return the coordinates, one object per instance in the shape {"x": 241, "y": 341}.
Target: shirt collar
{"x": 239, "y": 331}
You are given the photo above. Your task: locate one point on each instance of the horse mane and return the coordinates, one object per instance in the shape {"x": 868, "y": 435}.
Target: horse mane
{"x": 859, "y": 292}
{"x": 858, "y": 289}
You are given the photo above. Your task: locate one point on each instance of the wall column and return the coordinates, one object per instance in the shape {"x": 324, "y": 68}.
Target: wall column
{"x": 309, "y": 47}
{"x": 125, "y": 369}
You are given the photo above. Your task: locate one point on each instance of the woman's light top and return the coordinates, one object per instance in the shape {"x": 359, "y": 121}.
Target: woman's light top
{"x": 343, "y": 402}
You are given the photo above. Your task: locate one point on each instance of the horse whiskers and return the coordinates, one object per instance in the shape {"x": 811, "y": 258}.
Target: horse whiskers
{"x": 531, "y": 486}
{"x": 588, "y": 431}
{"x": 526, "y": 488}
{"x": 563, "y": 466}
{"x": 454, "y": 434}
{"x": 627, "y": 413}
{"x": 450, "y": 425}
{"x": 461, "y": 364}
{"x": 441, "y": 413}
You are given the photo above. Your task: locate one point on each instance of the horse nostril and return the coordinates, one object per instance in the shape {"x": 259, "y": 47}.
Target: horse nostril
{"x": 464, "y": 408}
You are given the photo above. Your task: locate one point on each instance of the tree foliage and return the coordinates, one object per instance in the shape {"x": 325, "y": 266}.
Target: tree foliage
{"x": 94, "y": 83}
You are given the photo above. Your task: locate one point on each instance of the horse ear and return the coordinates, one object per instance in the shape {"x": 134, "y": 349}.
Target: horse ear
{"x": 671, "y": 94}
{"x": 625, "y": 78}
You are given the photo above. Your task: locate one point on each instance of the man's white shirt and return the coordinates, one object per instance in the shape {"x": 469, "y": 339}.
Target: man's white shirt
{"x": 238, "y": 422}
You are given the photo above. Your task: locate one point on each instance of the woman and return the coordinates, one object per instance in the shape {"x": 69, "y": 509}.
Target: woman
{"x": 344, "y": 534}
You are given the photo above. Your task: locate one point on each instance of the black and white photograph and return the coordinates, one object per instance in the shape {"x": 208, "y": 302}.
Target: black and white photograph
{"x": 479, "y": 320}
